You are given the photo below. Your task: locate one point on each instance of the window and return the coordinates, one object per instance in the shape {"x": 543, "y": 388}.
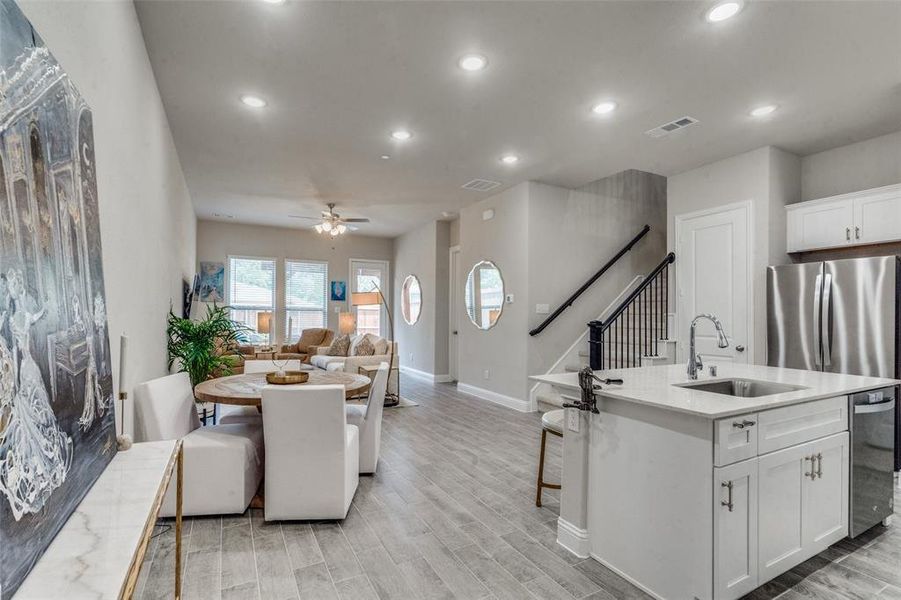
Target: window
{"x": 306, "y": 303}
{"x": 366, "y": 276}
{"x": 251, "y": 291}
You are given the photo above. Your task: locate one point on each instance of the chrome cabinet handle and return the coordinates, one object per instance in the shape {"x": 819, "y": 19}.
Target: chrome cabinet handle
{"x": 857, "y": 232}
{"x": 812, "y": 473}
{"x": 848, "y": 233}
{"x": 728, "y": 503}
{"x": 744, "y": 423}
{"x": 819, "y": 465}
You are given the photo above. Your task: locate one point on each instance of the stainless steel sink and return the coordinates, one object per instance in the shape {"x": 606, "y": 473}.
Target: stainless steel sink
{"x": 741, "y": 388}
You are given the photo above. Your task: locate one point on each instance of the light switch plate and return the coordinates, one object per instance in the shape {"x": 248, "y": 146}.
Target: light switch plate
{"x": 509, "y": 298}
{"x": 572, "y": 420}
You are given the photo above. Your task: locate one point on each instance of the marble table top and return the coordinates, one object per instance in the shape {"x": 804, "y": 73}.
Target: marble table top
{"x": 247, "y": 389}
{"x": 93, "y": 553}
{"x": 659, "y": 387}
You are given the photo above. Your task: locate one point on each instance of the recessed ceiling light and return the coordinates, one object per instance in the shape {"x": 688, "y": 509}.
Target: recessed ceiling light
{"x": 762, "y": 111}
{"x": 401, "y": 135}
{"x": 723, "y": 11}
{"x": 385, "y": 157}
{"x": 604, "y": 108}
{"x": 473, "y": 62}
{"x": 253, "y": 101}
{"x": 274, "y": 1}
{"x": 509, "y": 159}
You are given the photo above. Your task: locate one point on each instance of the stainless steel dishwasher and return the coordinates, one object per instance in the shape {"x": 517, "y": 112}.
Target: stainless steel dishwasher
{"x": 872, "y": 458}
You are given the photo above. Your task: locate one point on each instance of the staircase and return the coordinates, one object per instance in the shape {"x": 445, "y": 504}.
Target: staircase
{"x": 632, "y": 332}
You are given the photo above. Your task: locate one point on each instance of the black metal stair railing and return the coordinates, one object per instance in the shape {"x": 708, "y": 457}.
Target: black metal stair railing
{"x": 591, "y": 280}
{"x": 635, "y": 328}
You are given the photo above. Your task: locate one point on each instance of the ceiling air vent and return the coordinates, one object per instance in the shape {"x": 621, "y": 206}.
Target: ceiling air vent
{"x": 668, "y": 128}
{"x": 481, "y": 185}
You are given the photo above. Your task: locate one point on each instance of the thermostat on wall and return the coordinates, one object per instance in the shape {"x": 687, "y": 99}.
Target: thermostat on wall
{"x": 487, "y": 214}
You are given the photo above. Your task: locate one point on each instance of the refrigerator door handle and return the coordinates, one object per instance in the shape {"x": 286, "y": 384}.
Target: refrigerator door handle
{"x": 825, "y": 333}
{"x": 817, "y": 292}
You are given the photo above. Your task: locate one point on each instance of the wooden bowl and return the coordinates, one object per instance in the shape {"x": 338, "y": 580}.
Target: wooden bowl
{"x": 290, "y": 377}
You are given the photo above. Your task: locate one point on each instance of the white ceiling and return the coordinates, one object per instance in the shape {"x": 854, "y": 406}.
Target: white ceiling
{"x": 340, "y": 76}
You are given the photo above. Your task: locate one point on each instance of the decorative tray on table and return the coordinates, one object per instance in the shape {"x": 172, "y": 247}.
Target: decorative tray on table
{"x": 287, "y": 377}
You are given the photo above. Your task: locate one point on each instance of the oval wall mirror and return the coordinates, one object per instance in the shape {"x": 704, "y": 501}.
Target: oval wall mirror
{"x": 484, "y": 294}
{"x": 411, "y": 299}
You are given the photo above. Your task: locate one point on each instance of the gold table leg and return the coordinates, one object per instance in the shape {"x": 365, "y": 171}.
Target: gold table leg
{"x": 178, "y": 498}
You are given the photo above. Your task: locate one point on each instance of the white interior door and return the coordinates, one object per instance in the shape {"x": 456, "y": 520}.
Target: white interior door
{"x": 453, "y": 312}
{"x": 365, "y": 276}
{"x": 713, "y": 276}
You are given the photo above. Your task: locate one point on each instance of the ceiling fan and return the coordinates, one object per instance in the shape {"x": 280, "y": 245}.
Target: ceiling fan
{"x": 332, "y": 223}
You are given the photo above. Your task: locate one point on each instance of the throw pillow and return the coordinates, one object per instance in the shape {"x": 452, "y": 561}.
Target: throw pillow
{"x": 381, "y": 346}
{"x": 365, "y": 347}
{"x": 340, "y": 346}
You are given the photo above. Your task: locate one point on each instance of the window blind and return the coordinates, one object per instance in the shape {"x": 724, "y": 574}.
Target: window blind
{"x": 306, "y": 299}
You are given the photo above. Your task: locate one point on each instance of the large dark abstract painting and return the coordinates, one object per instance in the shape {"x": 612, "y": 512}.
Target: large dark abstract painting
{"x": 57, "y": 429}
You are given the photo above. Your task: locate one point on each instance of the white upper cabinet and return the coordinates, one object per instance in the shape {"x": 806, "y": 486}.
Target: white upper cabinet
{"x": 867, "y": 217}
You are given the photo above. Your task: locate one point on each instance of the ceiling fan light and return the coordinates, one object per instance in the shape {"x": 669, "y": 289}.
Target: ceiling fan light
{"x": 326, "y": 226}
{"x": 342, "y": 228}
{"x": 334, "y": 232}
{"x": 319, "y": 228}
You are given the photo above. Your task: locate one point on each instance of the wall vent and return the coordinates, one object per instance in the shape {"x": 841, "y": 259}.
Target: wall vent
{"x": 668, "y": 128}
{"x": 481, "y": 185}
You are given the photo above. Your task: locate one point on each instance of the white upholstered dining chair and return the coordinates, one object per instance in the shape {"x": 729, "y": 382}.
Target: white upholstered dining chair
{"x": 223, "y": 464}
{"x": 249, "y": 414}
{"x": 312, "y": 454}
{"x": 368, "y": 419}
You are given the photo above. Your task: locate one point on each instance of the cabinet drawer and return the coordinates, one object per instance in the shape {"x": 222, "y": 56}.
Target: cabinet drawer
{"x": 783, "y": 427}
{"x": 734, "y": 439}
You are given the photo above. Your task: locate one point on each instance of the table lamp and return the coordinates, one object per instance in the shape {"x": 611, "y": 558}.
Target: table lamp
{"x": 346, "y": 323}
{"x": 264, "y": 323}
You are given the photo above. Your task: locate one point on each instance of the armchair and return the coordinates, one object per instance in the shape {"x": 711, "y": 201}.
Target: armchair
{"x": 309, "y": 343}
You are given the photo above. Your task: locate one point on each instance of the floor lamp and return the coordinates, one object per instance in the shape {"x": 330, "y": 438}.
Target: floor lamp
{"x": 376, "y": 298}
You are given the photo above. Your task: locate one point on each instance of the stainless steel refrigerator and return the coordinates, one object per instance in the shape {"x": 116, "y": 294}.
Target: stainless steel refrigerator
{"x": 840, "y": 316}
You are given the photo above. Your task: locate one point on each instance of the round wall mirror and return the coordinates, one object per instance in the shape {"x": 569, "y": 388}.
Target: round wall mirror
{"x": 484, "y": 294}
{"x": 411, "y": 299}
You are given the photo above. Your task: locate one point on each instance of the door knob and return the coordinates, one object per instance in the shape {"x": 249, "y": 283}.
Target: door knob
{"x": 739, "y": 348}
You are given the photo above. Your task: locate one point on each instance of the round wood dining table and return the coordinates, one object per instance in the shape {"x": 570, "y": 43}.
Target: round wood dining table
{"x": 247, "y": 389}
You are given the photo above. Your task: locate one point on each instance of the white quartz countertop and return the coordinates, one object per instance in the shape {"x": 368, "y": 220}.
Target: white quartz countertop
{"x": 91, "y": 556}
{"x": 656, "y": 386}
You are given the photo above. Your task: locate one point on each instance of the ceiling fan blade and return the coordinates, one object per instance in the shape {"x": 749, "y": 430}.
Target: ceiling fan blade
{"x": 305, "y": 217}
{"x": 352, "y": 228}
{"x": 356, "y": 220}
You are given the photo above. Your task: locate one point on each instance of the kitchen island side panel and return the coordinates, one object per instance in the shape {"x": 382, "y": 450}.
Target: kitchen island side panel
{"x": 650, "y": 488}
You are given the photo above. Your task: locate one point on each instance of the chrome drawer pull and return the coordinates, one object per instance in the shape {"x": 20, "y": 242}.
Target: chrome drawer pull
{"x": 812, "y": 473}
{"x": 743, "y": 424}
{"x": 819, "y": 465}
{"x": 727, "y": 503}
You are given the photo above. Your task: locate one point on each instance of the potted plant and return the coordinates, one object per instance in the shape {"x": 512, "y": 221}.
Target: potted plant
{"x": 203, "y": 348}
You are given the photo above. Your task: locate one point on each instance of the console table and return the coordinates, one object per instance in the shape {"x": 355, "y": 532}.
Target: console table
{"x": 99, "y": 551}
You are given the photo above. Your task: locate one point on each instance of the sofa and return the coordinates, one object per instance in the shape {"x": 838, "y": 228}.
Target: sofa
{"x": 309, "y": 343}
{"x": 351, "y": 363}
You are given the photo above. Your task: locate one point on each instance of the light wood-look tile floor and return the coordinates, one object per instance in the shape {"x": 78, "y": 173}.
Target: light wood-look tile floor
{"x": 451, "y": 515}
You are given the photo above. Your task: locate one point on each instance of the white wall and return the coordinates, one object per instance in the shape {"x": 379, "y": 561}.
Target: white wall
{"x": 147, "y": 221}
{"x": 867, "y": 164}
{"x": 768, "y": 178}
{"x": 502, "y": 350}
{"x": 216, "y": 241}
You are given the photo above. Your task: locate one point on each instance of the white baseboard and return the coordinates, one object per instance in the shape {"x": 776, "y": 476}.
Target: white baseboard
{"x": 508, "y": 401}
{"x": 426, "y": 376}
{"x": 628, "y": 578}
{"x": 573, "y": 538}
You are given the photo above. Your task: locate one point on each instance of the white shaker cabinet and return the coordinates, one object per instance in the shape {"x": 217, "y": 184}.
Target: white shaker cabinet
{"x": 735, "y": 529}
{"x": 859, "y": 218}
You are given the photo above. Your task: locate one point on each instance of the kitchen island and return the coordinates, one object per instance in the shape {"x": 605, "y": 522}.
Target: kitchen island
{"x": 707, "y": 489}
